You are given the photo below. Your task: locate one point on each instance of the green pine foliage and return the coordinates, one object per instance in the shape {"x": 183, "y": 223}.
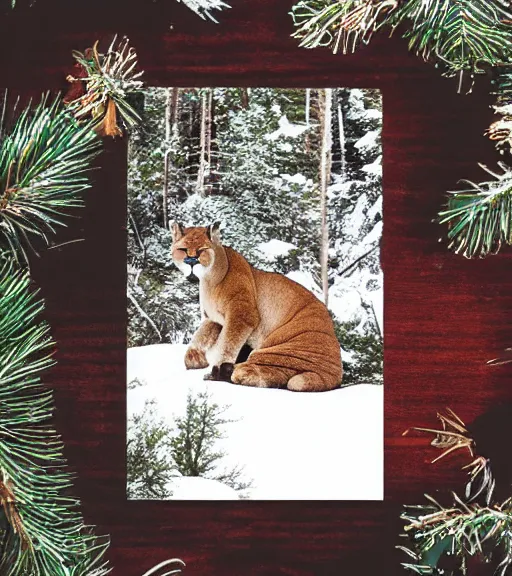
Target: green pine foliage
{"x": 156, "y": 452}
{"x": 193, "y": 444}
{"x": 339, "y": 25}
{"x": 365, "y": 361}
{"x": 500, "y": 131}
{"x": 149, "y": 464}
{"x": 480, "y": 216}
{"x": 43, "y": 163}
{"x": 41, "y": 529}
{"x": 443, "y": 539}
{"x": 460, "y": 36}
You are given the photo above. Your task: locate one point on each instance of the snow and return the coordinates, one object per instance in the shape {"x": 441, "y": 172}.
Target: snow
{"x": 294, "y": 446}
{"x": 286, "y": 129}
{"x": 304, "y": 279}
{"x": 196, "y": 488}
{"x": 345, "y": 302}
{"x": 375, "y": 168}
{"x": 299, "y": 179}
{"x": 378, "y": 306}
{"x": 340, "y": 188}
{"x": 274, "y": 248}
{"x": 374, "y": 235}
{"x": 375, "y": 209}
{"x": 368, "y": 141}
{"x": 357, "y": 218}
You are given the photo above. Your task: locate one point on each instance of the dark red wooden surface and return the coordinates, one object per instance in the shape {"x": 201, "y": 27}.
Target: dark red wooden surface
{"x": 444, "y": 316}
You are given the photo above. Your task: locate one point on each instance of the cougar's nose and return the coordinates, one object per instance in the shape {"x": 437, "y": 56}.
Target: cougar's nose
{"x": 192, "y": 260}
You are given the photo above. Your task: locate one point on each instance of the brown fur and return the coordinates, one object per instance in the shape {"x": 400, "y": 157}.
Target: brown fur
{"x": 288, "y": 328}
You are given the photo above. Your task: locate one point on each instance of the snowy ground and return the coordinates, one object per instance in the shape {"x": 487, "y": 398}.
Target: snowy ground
{"x": 295, "y": 446}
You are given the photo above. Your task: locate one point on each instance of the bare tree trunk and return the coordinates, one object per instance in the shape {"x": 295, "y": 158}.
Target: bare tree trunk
{"x": 209, "y": 120}
{"x": 325, "y": 111}
{"x": 202, "y": 146}
{"x": 171, "y": 131}
{"x": 174, "y": 111}
{"x": 341, "y": 131}
{"x": 168, "y": 114}
{"x": 244, "y": 97}
{"x": 308, "y": 109}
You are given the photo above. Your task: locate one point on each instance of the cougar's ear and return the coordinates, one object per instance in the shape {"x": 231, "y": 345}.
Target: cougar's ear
{"x": 213, "y": 232}
{"x": 176, "y": 231}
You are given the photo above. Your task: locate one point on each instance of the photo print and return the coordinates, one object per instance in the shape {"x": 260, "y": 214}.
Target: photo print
{"x": 255, "y": 295}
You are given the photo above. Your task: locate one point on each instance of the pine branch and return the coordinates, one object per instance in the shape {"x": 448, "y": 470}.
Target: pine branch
{"x": 109, "y": 78}
{"x": 500, "y": 131}
{"x": 479, "y": 217}
{"x": 43, "y": 161}
{"x": 204, "y": 7}
{"x": 455, "y": 436}
{"x": 460, "y": 530}
{"x": 342, "y": 25}
{"x": 465, "y": 529}
{"x": 463, "y": 36}
{"x": 41, "y": 529}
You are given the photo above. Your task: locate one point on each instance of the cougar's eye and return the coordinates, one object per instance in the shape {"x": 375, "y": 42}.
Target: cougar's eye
{"x": 182, "y": 250}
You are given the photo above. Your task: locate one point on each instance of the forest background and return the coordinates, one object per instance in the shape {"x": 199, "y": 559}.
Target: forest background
{"x": 293, "y": 175}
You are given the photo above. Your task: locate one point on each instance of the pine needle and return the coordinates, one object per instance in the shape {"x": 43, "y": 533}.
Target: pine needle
{"x": 461, "y": 36}
{"x": 43, "y": 161}
{"x": 339, "y": 25}
{"x": 41, "y": 528}
{"x": 110, "y": 78}
{"x": 500, "y": 131}
{"x": 480, "y": 217}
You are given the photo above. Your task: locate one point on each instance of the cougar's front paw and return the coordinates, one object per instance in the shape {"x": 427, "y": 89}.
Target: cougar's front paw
{"x": 195, "y": 359}
{"x": 221, "y": 373}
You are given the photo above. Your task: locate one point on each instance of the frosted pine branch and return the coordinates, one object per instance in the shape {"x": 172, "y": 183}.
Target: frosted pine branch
{"x": 204, "y": 7}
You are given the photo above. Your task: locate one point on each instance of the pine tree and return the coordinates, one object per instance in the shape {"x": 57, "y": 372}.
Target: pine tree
{"x": 193, "y": 445}
{"x": 149, "y": 465}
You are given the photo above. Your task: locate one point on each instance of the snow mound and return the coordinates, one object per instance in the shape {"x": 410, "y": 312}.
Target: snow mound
{"x": 196, "y": 488}
{"x": 294, "y": 446}
{"x": 274, "y": 248}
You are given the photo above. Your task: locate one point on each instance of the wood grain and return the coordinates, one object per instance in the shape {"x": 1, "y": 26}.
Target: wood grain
{"x": 444, "y": 316}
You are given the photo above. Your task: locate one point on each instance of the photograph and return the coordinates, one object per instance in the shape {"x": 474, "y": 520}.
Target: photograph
{"x": 255, "y": 288}
{"x": 255, "y": 295}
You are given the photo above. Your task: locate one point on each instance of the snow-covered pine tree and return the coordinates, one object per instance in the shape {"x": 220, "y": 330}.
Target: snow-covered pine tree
{"x": 356, "y": 225}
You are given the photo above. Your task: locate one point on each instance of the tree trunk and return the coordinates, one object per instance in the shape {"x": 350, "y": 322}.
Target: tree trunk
{"x": 167, "y": 121}
{"x": 244, "y": 97}
{"x": 209, "y": 119}
{"x": 325, "y": 112}
{"x": 171, "y": 131}
{"x": 308, "y": 109}
{"x": 202, "y": 146}
{"x": 341, "y": 130}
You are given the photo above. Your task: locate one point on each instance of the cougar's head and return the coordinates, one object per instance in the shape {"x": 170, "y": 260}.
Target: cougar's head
{"x": 193, "y": 249}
